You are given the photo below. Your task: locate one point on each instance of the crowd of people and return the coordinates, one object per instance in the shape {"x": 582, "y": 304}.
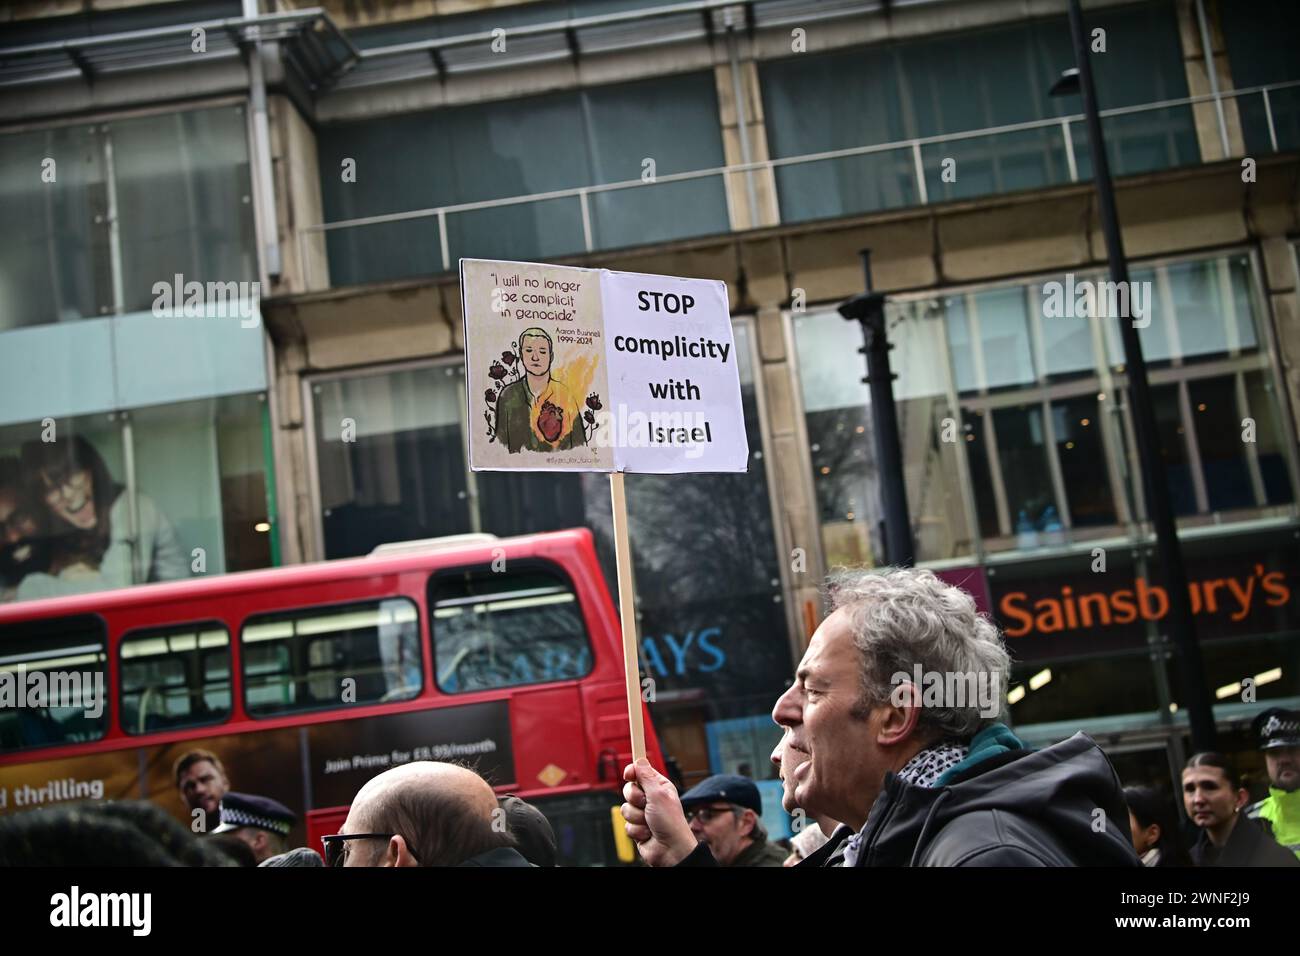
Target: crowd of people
{"x": 872, "y": 775}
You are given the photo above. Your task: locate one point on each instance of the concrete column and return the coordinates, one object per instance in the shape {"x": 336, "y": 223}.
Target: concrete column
{"x": 795, "y": 504}
{"x": 1198, "y": 81}
{"x": 1280, "y": 282}
{"x": 755, "y": 130}
{"x": 296, "y": 171}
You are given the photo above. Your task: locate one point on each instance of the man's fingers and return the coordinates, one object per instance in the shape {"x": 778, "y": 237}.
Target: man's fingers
{"x": 638, "y": 834}
{"x": 632, "y": 815}
{"x": 629, "y": 772}
{"x": 634, "y": 795}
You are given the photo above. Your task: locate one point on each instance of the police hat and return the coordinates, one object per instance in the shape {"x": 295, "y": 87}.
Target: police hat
{"x": 263, "y": 813}
{"x": 727, "y": 787}
{"x": 1276, "y": 727}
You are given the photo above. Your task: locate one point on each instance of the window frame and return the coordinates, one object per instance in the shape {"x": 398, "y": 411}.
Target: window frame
{"x": 43, "y": 628}
{"x": 167, "y": 630}
{"x": 544, "y": 565}
{"x": 279, "y": 614}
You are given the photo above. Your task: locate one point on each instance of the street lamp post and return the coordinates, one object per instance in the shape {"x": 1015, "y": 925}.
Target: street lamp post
{"x": 1179, "y": 619}
{"x": 868, "y": 309}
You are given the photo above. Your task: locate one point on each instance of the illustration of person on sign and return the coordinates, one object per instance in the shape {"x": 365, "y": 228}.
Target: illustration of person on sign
{"x": 538, "y": 412}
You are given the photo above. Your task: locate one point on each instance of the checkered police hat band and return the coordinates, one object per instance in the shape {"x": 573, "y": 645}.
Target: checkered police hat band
{"x": 242, "y": 818}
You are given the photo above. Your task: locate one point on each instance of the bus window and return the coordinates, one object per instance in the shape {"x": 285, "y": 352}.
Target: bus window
{"x": 299, "y": 660}
{"x": 504, "y": 629}
{"x": 178, "y": 677}
{"x": 53, "y": 683}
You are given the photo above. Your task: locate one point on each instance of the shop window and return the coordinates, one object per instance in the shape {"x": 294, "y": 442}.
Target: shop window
{"x": 1045, "y": 692}
{"x": 194, "y": 501}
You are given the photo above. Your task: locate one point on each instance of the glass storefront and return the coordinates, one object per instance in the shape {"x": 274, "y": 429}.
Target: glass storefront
{"x": 715, "y": 637}
{"x": 153, "y": 494}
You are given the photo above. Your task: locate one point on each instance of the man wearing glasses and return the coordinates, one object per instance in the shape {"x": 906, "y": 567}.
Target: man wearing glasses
{"x": 424, "y": 813}
{"x": 724, "y": 813}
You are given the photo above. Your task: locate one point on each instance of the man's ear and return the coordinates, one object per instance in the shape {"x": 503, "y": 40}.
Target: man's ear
{"x": 747, "y": 821}
{"x": 899, "y": 715}
{"x": 398, "y": 853}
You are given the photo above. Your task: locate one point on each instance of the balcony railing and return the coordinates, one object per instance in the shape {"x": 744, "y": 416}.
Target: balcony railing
{"x": 902, "y": 173}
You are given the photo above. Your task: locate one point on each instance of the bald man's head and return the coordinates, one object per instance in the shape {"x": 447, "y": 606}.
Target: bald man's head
{"x": 439, "y": 814}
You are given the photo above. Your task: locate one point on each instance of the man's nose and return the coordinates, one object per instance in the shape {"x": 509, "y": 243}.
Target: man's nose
{"x": 696, "y": 825}
{"x": 786, "y": 711}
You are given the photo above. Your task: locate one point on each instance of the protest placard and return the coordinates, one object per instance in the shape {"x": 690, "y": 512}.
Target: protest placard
{"x": 571, "y": 369}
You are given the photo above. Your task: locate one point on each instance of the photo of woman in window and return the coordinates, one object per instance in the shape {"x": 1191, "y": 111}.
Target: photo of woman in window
{"x": 86, "y": 525}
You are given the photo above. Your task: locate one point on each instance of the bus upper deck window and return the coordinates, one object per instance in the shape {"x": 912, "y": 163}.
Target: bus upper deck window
{"x": 175, "y": 677}
{"x": 339, "y": 656}
{"x": 53, "y": 683}
{"x": 505, "y": 629}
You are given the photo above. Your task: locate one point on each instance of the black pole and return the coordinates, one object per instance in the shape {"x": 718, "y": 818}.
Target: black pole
{"x": 1191, "y": 672}
{"x": 869, "y": 310}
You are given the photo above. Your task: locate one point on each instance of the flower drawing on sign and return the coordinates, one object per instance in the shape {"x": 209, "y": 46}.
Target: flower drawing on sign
{"x": 532, "y": 404}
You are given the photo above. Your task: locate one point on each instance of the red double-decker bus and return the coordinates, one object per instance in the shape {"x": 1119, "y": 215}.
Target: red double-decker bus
{"x": 306, "y": 681}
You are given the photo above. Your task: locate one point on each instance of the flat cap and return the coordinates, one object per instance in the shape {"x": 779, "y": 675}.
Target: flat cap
{"x": 727, "y": 787}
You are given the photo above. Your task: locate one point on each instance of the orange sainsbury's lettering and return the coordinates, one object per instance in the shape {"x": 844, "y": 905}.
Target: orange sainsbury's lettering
{"x": 1009, "y": 609}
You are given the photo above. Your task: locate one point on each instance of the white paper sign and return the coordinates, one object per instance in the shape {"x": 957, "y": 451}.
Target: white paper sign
{"x": 591, "y": 370}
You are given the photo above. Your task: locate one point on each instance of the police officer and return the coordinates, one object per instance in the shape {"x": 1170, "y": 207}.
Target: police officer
{"x": 1278, "y": 733}
{"x": 261, "y": 822}
{"x": 724, "y": 813}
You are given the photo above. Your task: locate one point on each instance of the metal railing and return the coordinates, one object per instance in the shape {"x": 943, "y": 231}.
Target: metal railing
{"x": 913, "y": 146}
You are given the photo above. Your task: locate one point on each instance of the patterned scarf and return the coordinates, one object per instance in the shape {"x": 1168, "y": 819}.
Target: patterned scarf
{"x": 923, "y": 770}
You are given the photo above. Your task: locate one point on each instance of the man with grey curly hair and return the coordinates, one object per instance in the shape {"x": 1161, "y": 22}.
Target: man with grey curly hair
{"x": 893, "y": 722}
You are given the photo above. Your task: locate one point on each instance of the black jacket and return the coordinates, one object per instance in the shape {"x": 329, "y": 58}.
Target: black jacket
{"x": 1062, "y": 806}
{"x": 1249, "y": 844}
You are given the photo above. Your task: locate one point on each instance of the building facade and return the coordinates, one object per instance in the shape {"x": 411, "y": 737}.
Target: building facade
{"x": 344, "y": 157}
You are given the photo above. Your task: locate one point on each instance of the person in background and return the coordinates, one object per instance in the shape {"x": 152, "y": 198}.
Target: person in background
{"x": 22, "y": 547}
{"x": 424, "y": 813}
{"x": 724, "y": 812}
{"x": 92, "y": 545}
{"x": 1153, "y": 820}
{"x": 1278, "y": 733}
{"x": 235, "y": 848}
{"x": 811, "y": 833}
{"x": 202, "y": 782}
{"x": 1214, "y": 798}
{"x": 300, "y": 856}
{"x": 261, "y": 823}
{"x": 112, "y": 833}
{"x": 531, "y": 830}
